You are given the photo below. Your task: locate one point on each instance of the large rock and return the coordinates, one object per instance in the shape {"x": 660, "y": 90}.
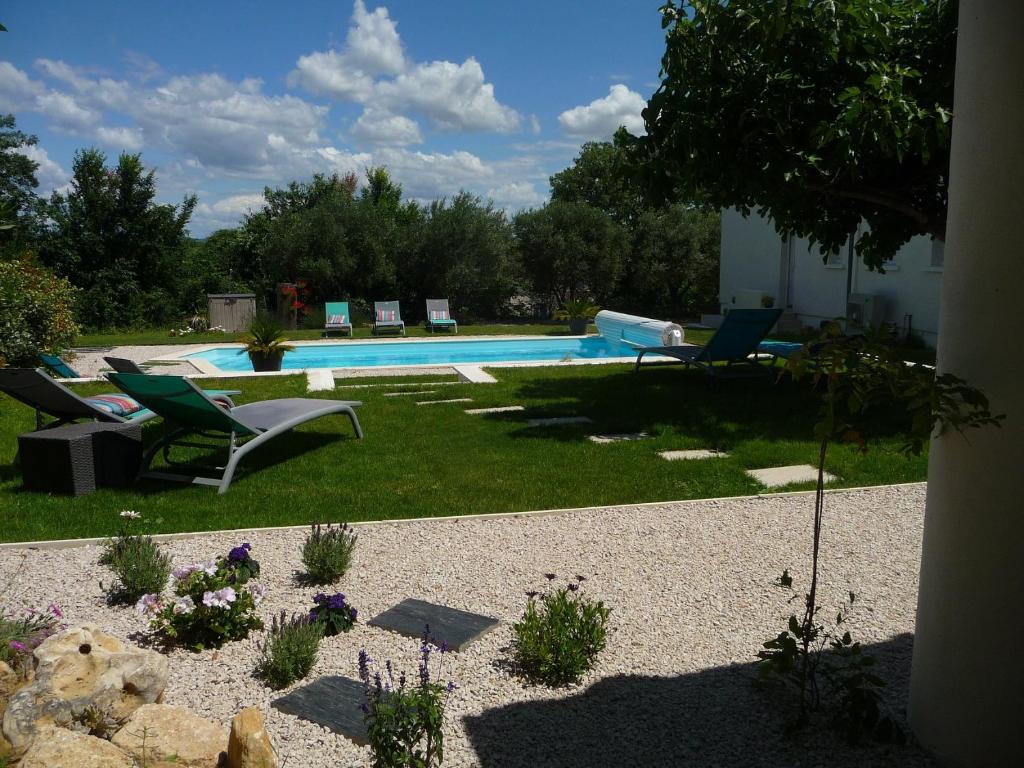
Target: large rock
{"x": 59, "y": 747}
{"x": 249, "y": 745}
{"x": 158, "y": 732}
{"x": 79, "y": 668}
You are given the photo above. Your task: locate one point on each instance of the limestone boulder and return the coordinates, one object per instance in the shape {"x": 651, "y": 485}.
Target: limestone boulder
{"x": 59, "y": 747}
{"x": 160, "y": 733}
{"x": 79, "y": 668}
{"x": 249, "y": 744}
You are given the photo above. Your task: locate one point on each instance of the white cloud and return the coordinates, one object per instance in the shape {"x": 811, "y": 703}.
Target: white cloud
{"x": 17, "y": 90}
{"x": 66, "y": 111}
{"x": 516, "y": 196}
{"x": 120, "y": 138}
{"x": 372, "y": 69}
{"x": 50, "y": 174}
{"x": 602, "y": 117}
{"x": 381, "y": 129}
{"x": 226, "y": 212}
{"x": 534, "y": 125}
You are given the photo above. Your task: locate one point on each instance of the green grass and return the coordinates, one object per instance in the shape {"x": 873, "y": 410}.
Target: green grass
{"x": 419, "y": 461}
{"x": 160, "y": 335}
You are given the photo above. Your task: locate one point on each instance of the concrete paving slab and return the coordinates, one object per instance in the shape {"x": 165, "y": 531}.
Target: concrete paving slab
{"x": 452, "y": 400}
{"x": 499, "y": 409}
{"x": 692, "y": 455}
{"x": 775, "y": 477}
{"x": 620, "y": 438}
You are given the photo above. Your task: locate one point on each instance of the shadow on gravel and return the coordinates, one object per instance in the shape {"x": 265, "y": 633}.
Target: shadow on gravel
{"x": 715, "y": 717}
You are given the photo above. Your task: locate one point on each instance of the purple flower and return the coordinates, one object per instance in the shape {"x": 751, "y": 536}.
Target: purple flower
{"x": 573, "y": 587}
{"x": 451, "y": 686}
{"x": 352, "y": 612}
{"x": 336, "y": 602}
{"x": 16, "y": 646}
{"x": 531, "y": 594}
{"x": 149, "y": 605}
{"x": 550, "y": 576}
{"x": 319, "y": 598}
{"x": 240, "y": 554}
{"x": 364, "y": 666}
{"x": 56, "y": 611}
{"x": 580, "y": 578}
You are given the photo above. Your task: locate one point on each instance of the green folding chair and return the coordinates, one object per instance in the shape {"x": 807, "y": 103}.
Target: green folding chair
{"x": 337, "y": 317}
{"x": 187, "y": 410}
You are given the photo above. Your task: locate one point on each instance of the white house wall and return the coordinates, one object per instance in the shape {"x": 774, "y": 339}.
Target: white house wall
{"x": 754, "y": 258}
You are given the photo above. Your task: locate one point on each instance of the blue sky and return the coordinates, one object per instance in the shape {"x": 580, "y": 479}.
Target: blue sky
{"x": 224, "y": 98}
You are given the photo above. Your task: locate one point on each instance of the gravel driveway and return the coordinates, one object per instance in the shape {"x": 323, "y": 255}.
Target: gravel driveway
{"x": 690, "y": 586}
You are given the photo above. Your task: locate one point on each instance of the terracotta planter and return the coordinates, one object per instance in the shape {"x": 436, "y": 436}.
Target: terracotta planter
{"x": 578, "y": 326}
{"x": 266, "y": 362}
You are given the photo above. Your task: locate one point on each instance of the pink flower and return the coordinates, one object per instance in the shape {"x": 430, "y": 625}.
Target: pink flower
{"x": 149, "y": 605}
{"x": 56, "y": 611}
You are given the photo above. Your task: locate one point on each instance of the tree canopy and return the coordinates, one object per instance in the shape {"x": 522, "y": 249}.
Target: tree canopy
{"x": 820, "y": 115}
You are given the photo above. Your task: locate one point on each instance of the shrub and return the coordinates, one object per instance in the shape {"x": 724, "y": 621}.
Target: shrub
{"x": 137, "y": 561}
{"x": 327, "y": 552}
{"x": 35, "y": 312}
{"x": 19, "y": 637}
{"x": 333, "y": 614}
{"x": 405, "y": 723}
{"x": 560, "y": 635}
{"x": 209, "y": 608}
{"x": 290, "y": 650}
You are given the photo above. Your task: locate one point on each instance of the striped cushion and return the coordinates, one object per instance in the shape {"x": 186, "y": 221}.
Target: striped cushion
{"x": 439, "y": 314}
{"x": 385, "y": 315}
{"x": 336, "y": 320}
{"x": 118, "y": 405}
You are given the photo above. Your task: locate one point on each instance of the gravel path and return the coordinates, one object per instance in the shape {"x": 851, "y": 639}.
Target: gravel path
{"x": 89, "y": 362}
{"x": 689, "y": 585}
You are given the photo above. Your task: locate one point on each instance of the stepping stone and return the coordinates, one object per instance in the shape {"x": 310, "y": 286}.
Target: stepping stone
{"x": 501, "y": 409}
{"x": 626, "y": 437}
{"x": 450, "y": 625}
{"x": 332, "y": 702}
{"x": 559, "y": 420}
{"x": 402, "y": 394}
{"x": 774, "y": 477}
{"x": 453, "y": 400}
{"x": 697, "y": 454}
{"x": 474, "y": 374}
{"x": 319, "y": 380}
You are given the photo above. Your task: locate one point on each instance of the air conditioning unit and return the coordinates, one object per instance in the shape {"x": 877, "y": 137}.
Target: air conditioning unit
{"x": 863, "y": 311}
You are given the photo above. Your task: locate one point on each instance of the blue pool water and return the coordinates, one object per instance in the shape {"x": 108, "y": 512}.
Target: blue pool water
{"x": 398, "y": 353}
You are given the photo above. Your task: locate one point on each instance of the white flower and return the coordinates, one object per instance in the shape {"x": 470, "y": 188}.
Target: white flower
{"x": 258, "y": 592}
{"x": 148, "y": 605}
{"x": 183, "y": 606}
{"x": 222, "y": 598}
{"x": 210, "y": 568}
{"x": 130, "y": 514}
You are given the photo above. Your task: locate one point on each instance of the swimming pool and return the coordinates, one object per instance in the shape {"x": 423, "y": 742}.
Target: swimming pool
{"x": 442, "y": 352}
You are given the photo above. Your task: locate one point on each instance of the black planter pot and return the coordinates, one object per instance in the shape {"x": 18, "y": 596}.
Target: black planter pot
{"x": 262, "y": 362}
{"x": 578, "y": 326}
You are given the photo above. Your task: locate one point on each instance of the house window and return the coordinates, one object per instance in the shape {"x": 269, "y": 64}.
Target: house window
{"x": 938, "y": 254}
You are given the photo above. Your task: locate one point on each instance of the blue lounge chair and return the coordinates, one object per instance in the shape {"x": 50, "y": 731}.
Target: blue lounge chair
{"x": 387, "y": 317}
{"x": 188, "y": 410}
{"x": 440, "y": 316}
{"x": 337, "y": 317}
{"x": 59, "y": 367}
{"x": 729, "y": 350}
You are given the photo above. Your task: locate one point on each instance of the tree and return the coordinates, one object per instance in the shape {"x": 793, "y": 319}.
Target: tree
{"x": 598, "y": 177}
{"x": 820, "y": 115}
{"x": 111, "y": 240}
{"x": 570, "y": 251}
{"x": 17, "y": 175}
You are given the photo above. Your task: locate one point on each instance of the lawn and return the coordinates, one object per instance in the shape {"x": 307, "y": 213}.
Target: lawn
{"x": 419, "y": 461}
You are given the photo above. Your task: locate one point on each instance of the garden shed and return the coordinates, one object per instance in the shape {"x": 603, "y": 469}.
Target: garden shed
{"x": 231, "y": 311}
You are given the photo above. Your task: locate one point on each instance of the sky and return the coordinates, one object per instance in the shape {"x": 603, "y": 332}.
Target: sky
{"x": 224, "y": 98}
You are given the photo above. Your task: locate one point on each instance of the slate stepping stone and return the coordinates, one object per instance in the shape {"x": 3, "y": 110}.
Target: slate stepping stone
{"x": 403, "y": 394}
{"x": 447, "y": 625}
{"x": 453, "y": 400}
{"x": 500, "y": 409}
{"x": 332, "y": 702}
{"x": 559, "y": 420}
{"x": 775, "y": 477}
{"x": 692, "y": 455}
{"x": 605, "y": 439}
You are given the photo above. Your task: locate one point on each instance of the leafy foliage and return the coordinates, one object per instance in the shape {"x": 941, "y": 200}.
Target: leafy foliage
{"x": 290, "y": 650}
{"x": 211, "y": 606}
{"x": 820, "y": 115}
{"x": 265, "y": 336}
{"x": 560, "y": 635}
{"x": 111, "y": 240}
{"x": 327, "y": 552}
{"x": 405, "y": 721}
{"x": 20, "y": 636}
{"x": 36, "y": 312}
{"x": 139, "y": 563}
{"x": 17, "y": 179}
{"x": 576, "y": 309}
{"x": 333, "y": 613}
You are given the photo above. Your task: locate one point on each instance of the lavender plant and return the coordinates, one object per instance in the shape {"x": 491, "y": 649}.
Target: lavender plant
{"x": 20, "y": 636}
{"x": 405, "y": 720}
{"x": 333, "y": 613}
{"x": 213, "y": 603}
{"x": 560, "y": 634}
{"x": 137, "y": 561}
{"x": 327, "y": 552}
{"x": 290, "y": 650}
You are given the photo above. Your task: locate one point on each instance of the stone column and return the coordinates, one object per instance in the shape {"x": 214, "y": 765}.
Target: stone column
{"x": 967, "y": 682}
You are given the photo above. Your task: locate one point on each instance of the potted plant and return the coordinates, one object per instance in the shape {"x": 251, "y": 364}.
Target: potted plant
{"x": 578, "y": 312}
{"x": 265, "y": 343}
